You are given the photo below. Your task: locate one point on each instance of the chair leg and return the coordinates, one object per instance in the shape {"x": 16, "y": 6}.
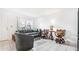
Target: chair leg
{"x": 60, "y": 41}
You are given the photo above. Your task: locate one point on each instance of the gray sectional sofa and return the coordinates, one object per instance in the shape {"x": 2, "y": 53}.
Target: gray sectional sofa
{"x": 25, "y": 39}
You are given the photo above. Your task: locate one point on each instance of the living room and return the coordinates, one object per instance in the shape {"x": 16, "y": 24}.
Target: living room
{"x": 13, "y": 20}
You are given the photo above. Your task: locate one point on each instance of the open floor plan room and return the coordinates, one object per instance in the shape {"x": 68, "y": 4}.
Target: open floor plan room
{"x": 38, "y": 29}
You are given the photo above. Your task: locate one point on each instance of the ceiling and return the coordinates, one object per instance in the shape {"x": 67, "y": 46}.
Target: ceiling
{"x": 33, "y": 12}
{"x": 39, "y": 11}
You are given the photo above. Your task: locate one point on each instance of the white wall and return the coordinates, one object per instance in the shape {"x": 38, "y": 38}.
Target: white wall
{"x": 44, "y": 22}
{"x": 70, "y": 22}
{"x": 7, "y": 24}
{"x": 7, "y": 27}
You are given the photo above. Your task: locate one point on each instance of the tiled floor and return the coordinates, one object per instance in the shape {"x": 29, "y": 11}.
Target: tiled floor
{"x": 8, "y": 45}
{"x": 40, "y": 45}
{"x": 49, "y": 45}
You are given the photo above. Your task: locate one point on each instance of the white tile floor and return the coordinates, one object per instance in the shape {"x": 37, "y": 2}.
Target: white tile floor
{"x": 40, "y": 45}
{"x": 49, "y": 45}
{"x": 8, "y": 45}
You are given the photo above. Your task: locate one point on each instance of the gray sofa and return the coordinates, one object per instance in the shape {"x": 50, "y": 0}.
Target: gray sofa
{"x": 23, "y": 41}
{"x": 78, "y": 44}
